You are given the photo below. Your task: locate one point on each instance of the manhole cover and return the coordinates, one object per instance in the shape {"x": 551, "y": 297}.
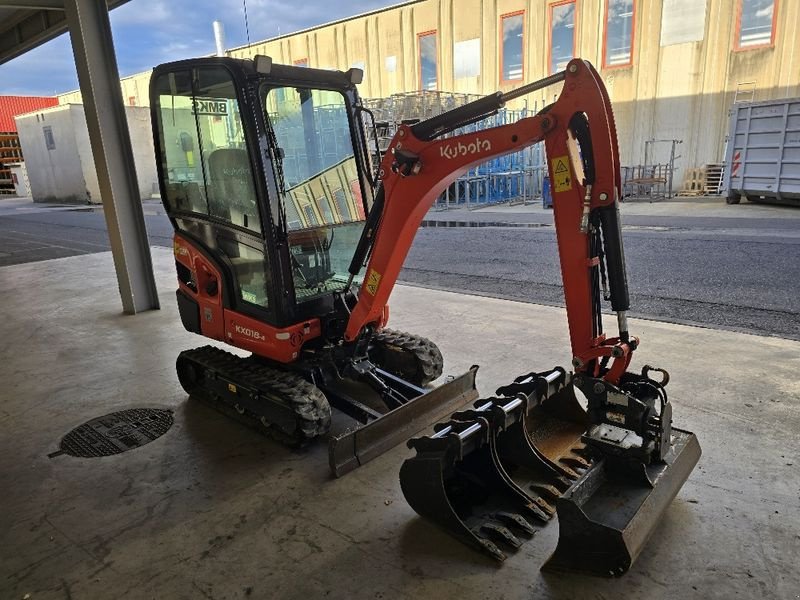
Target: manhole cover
{"x": 115, "y": 433}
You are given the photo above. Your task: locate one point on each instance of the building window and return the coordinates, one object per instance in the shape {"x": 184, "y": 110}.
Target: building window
{"x": 49, "y": 140}
{"x": 756, "y": 24}
{"x": 512, "y": 59}
{"x": 562, "y": 34}
{"x": 618, "y": 43}
{"x": 467, "y": 58}
{"x": 428, "y": 65}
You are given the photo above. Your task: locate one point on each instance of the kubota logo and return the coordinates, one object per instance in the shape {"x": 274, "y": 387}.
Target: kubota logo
{"x": 250, "y": 333}
{"x": 450, "y": 151}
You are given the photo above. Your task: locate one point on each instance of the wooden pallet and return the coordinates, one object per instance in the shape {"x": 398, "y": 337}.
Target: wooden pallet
{"x": 694, "y": 183}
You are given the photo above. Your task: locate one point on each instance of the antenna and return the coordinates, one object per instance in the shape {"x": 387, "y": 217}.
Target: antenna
{"x": 246, "y": 25}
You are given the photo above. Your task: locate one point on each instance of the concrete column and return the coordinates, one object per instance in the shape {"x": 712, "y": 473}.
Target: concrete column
{"x": 90, "y": 31}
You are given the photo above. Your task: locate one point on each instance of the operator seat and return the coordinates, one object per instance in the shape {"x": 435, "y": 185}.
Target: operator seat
{"x": 231, "y": 190}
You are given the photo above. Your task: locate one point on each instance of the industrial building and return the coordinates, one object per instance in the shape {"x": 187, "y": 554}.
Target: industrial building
{"x": 673, "y": 68}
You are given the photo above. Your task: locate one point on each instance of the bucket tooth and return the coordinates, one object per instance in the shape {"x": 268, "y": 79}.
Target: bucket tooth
{"x": 500, "y": 533}
{"x": 515, "y": 520}
{"x": 607, "y": 516}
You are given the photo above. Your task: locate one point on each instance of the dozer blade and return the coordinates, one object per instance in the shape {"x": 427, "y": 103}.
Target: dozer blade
{"x": 350, "y": 450}
{"x": 607, "y": 516}
{"x": 479, "y": 478}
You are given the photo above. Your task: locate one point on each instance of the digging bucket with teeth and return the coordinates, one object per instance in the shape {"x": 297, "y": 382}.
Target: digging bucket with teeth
{"x": 480, "y": 477}
{"x": 609, "y": 472}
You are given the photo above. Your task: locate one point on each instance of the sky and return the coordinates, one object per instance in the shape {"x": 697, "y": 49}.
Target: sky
{"x": 149, "y": 32}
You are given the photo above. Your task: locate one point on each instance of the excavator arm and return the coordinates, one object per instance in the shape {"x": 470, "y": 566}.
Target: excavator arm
{"x": 583, "y": 160}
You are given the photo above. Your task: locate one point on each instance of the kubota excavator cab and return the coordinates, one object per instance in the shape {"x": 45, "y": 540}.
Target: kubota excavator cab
{"x": 269, "y": 171}
{"x": 267, "y": 178}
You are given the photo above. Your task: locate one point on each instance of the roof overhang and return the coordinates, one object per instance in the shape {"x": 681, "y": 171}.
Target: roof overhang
{"x": 25, "y": 24}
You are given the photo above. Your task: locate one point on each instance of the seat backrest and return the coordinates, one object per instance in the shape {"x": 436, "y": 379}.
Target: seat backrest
{"x": 231, "y": 183}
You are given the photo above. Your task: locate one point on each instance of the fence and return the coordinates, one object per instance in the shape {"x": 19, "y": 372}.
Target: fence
{"x": 512, "y": 178}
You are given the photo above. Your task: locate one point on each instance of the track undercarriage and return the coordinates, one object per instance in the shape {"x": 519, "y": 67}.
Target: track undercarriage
{"x": 292, "y": 404}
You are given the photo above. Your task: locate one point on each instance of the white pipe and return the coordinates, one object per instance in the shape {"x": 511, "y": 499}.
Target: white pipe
{"x": 219, "y": 37}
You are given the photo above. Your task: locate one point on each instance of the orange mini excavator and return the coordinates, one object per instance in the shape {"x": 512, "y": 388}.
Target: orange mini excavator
{"x": 288, "y": 243}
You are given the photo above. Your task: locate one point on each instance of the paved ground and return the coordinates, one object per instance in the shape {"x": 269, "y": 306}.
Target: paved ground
{"x": 213, "y": 510}
{"x": 694, "y": 261}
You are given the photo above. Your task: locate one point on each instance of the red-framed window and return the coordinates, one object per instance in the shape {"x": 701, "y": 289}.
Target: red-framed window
{"x": 620, "y": 22}
{"x": 512, "y": 47}
{"x": 756, "y": 21}
{"x": 562, "y": 20}
{"x": 428, "y": 60}
{"x": 302, "y": 62}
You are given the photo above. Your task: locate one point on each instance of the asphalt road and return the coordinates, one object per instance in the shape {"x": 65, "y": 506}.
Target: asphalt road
{"x": 739, "y": 272}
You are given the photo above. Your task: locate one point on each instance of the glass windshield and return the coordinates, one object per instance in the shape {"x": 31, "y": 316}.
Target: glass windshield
{"x": 322, "y": 193}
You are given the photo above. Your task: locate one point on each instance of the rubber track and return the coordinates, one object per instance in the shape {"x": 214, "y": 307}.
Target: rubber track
{"x": 310, "y": 405}
{"x": 429, "y": 357}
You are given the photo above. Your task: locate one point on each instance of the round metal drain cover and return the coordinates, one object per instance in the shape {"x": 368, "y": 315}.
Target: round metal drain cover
{"x": 116, "y": 432}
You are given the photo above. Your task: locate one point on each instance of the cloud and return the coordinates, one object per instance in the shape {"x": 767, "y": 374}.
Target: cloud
{"x": 44, "y": 71}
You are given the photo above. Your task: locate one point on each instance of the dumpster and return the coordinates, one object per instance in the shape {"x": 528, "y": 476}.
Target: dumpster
{"x": 762, "y": 159}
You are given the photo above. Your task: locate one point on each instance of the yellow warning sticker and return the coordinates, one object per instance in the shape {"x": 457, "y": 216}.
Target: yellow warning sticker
{"x": 562, "y": 178}
{"x": 373, "y": 279}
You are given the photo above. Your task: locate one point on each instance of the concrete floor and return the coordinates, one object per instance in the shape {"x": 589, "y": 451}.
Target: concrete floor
{"x": 212, "y": 510}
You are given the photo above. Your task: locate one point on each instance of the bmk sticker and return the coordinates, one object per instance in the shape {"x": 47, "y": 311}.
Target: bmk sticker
{"x": 562, "y": 180}
{"x": 373, "y": 279}
{"x": 454, "y": 151}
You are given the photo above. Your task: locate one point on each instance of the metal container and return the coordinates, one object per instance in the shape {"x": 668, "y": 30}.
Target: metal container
{"x": 762, "y": 159}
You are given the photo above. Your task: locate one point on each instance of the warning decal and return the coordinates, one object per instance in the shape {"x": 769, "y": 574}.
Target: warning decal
{"x": 562, "y": 179}
{"x": 373, "y": 279}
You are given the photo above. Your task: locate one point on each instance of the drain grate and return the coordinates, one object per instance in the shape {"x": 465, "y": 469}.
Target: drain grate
{"x": 115, "y": 433}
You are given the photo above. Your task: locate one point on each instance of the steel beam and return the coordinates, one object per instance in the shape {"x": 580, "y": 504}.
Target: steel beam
{"x": 33, "y": 4}
{"x": 98, "y": 76}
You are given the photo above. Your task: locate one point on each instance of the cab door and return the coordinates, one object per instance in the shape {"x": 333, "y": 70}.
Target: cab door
{"x": 209, "y": 190}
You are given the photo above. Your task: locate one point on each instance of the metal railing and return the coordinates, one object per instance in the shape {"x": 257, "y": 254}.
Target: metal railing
{"x": 514, "y": 178}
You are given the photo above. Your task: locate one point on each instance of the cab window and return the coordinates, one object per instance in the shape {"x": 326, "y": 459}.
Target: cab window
{"x": 204, "y": 156}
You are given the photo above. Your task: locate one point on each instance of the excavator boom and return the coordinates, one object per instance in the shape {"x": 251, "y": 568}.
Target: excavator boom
{"x": 584, "y": 169}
